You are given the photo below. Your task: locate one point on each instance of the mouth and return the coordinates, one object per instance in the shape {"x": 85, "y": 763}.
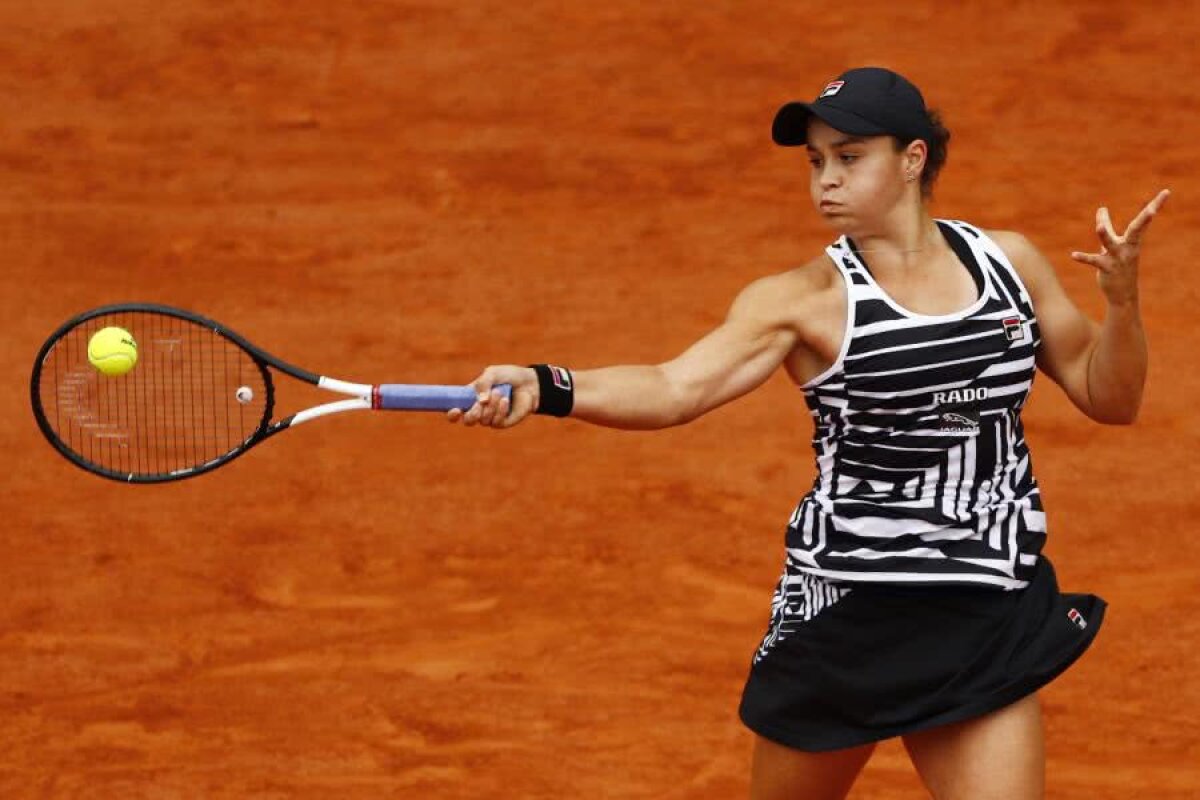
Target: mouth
{"x": 829, "y": 206}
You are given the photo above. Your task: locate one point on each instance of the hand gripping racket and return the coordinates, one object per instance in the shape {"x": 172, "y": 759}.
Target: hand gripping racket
{"x": 199, "y": 396}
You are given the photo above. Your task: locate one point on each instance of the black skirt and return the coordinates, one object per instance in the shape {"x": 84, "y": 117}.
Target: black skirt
{"x": 846, "y": 664}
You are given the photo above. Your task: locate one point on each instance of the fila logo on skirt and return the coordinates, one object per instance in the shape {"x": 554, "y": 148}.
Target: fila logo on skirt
{"x": 1077, "y": 618}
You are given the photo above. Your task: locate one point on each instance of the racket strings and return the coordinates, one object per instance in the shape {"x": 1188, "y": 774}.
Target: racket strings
{"x": 177, "y": 409}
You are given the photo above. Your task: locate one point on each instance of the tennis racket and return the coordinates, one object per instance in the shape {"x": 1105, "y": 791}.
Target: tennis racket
{"x": 199, "y": 396}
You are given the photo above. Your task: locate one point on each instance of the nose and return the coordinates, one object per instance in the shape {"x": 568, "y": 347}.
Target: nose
{"x": 830, "y": 177}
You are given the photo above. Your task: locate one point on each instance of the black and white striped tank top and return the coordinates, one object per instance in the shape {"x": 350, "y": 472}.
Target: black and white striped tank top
{"x": 923, "y": 475}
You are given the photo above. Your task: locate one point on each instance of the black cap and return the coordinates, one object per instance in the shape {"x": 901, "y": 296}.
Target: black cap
{"x": 868, "y": 101}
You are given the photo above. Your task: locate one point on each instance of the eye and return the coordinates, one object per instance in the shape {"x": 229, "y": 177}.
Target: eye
{"x": 849, "y": 158}
{"x": 814, "y": 162}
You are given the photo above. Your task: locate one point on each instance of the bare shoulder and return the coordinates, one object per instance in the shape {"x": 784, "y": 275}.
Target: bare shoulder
{"x": 1025, "y": 257}
{"x": 1023, "y": 253}
{"x": 789, "y": 294}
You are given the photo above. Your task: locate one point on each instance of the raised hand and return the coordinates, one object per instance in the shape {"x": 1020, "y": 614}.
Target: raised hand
{"x": 1117, "y": 261}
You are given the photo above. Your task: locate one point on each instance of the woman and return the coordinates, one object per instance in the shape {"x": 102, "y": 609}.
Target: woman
{"x": 915, "y": 601}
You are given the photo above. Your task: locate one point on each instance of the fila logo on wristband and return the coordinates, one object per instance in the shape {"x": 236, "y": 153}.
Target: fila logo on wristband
{"x": 556, "y": 395}
{"x": 561, "y": 378}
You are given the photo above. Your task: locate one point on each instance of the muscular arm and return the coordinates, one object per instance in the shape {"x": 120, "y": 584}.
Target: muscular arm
{"x": 763, "y": 326}
{"x": 738, "y": 356}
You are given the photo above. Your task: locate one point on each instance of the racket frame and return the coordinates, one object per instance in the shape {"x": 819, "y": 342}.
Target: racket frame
{"x": 364, "y": 396}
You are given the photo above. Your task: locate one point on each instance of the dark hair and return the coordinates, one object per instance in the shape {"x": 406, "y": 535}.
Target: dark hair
{"x": 938, "y": 147}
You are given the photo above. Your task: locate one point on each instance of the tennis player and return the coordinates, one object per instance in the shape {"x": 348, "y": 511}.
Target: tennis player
{"x": 915, "y": 600}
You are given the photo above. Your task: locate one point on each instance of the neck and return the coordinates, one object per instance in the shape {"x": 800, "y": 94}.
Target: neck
{"x": 906, "y": 235}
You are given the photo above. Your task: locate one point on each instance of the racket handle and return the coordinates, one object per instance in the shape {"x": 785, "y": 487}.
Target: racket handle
{"x": 422, "y": 397}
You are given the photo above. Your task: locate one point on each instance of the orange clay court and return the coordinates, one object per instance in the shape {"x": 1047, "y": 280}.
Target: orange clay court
{"x": 389, "y": 606}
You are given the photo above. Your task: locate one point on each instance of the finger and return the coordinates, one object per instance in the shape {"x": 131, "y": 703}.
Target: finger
{"x": 1104, "y": 228}
{"x": 471, "y": 417}
{"x": 484, "y": 417}
{"x": 484, "y": 383}
{"x": 494, "y": 408}
{"x": 488, "y": 408}
{"x": 520, "y": 407}
{"x": 1142, "y": 221}
{"x": 501, "y": 414}
{"x": 1160, "y": 199}
{"x": 1108, "y": 241}
{"x": 454, "y": 415}
{"x": 1097, "y": 260}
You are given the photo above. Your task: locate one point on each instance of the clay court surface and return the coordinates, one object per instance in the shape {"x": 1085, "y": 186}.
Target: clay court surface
{"x": 386, "y": 606}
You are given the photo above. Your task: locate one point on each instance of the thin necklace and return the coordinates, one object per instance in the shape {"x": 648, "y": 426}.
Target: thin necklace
{"x": 854, "y": 248}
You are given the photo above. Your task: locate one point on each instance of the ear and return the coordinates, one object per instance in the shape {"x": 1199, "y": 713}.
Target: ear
{"x": 914, "y": 156}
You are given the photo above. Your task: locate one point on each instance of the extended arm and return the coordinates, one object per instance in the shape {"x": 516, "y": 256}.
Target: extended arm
{"x": 736, "y": 357}
{"x": 726, "y": 364}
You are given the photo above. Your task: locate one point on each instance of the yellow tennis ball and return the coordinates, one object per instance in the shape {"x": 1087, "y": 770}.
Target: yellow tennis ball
{"x": 112, "y": 351}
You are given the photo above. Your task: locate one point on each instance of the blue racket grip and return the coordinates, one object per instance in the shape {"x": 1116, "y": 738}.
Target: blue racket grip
{"x": 422, "y": 397}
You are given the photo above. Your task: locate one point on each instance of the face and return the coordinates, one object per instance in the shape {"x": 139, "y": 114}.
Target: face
{"x": 857, "y": 180}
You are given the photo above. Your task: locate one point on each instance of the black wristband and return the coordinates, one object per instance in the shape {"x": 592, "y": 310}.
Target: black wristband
{"x": 556, "y": 390}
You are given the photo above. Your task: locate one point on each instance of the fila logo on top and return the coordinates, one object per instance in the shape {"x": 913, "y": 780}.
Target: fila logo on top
{"x": 960, "y": 395}
{"x": 1013, "y": 329}
{"x": 832, "y": 88}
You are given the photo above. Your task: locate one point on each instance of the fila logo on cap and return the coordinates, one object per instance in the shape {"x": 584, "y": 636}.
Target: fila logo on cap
{"x": 832, "y": 88}
{"x": 1013, "y": 329}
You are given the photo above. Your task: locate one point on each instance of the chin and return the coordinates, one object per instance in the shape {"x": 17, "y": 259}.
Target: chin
{"x": 841, "y": 222}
